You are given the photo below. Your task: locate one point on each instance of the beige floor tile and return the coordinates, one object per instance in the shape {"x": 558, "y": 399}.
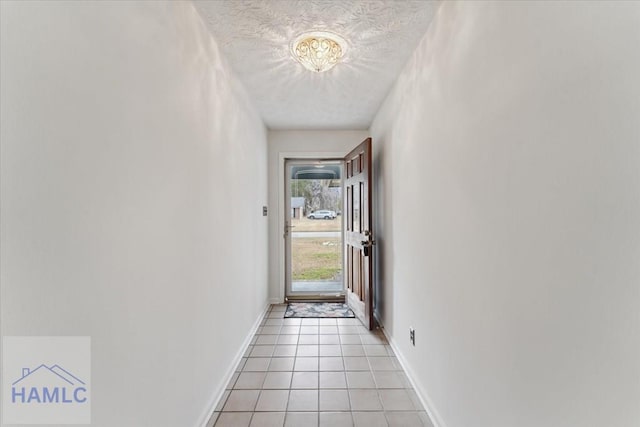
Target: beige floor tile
{"x": 267, "y": 419}
{"x": 287, "y": 339}
{"x": 234, "y": 419}
{"x": 213, "y": 419}
{"x": 360, "y": 379}
{"x": 257, "y": 364}
{"x": 352, "y": 350}
{"x": 346, "y": 321}
{"x": 284, "y": 350}
{"x": 330, "y": 350}
{"x": 262, "y": 350}
{"x": 241, "y": 400}
{"x": 375, "y": 350}
{"x": 350, "y": 339}
{"x": 389, "y": 379}
{"x": 277, "y": 380}
{"x": 382, "y": 363}
{"x": 307, "y": 351}
{"x": 332, "y": 363}
{"x": 306, "y": 364}
{"x": 304, "y": 380}
{"x": 273, "y": 401}
{"x": 266, "y": 339}
{"x": 369, "y": 419}
{"x": 329, "y": 339}
{"x": 275, "y": 315}
{"x": 270, "y": 330}
{"x": 332, "y": 380}
{"x": 303, "y": 366}
{"x": 243, "y": 362}
{"x": 308, "y": 339}
{"x": 301, "y": 419}
{"x": 404, "y": 419}
{"x": 356, "y": 364}
{"x": 281, "y": 364}
{"x": 250, "y": 380}
{"x": 308, "y": 330}
{"x": 365, "y": 400}
{"x": 396, "y": 400}
{"x": 348, "y": 330}
{"x": 233, "y": 380}
{"x": 303, "y": 400}
{"x": 328, "y": 330}
{"x": 223, "y": 400}
{"x": 334, "y": 400}
{"x": 336, "y": 419}
{"x": 373, "y": 339}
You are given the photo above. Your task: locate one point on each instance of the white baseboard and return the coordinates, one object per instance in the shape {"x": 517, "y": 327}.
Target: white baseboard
{"x": 217, "y": 395}
{"x": 427, "y": 403}
{"x": 275, "y": 300}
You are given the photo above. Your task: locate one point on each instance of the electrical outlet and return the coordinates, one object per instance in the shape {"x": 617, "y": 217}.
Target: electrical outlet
{"x": 412, "y": 336}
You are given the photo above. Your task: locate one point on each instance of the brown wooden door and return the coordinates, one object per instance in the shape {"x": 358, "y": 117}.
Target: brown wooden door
{"x": 358, "y": 241}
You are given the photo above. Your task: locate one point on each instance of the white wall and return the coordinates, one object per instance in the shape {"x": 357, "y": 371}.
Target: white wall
{"x": 508, "y": 165}
{"x": 133, "y": 178}
{"x": 296, "y": 144}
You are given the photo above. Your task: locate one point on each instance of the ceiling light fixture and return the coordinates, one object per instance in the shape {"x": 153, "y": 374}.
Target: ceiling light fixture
{"x": 318, "y": 50}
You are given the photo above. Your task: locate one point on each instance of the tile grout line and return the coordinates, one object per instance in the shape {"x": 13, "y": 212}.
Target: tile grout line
{"x": 370, "y": 353}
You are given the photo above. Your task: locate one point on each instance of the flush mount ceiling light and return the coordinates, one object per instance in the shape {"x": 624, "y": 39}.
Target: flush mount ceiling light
{"x": 318, "y": 50}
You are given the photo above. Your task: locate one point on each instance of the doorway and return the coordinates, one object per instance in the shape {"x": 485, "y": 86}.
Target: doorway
{"x": 313, "y": 229}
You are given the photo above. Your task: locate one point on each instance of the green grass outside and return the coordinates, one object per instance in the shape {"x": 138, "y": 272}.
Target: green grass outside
{"x": 314, "y": 260}
{"x": 321, "y": 273}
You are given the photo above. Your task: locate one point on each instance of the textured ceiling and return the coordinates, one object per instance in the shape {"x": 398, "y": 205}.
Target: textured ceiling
{"x": 255, "y": 36}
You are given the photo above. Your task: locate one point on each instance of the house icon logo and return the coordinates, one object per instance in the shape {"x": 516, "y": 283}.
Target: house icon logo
{"x": 47, "y": 385}
{"x": 46, "y": 380}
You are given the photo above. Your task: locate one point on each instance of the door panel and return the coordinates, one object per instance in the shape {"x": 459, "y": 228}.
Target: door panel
{"x": 312, "y": 229}
{"x": 358, "y": 241}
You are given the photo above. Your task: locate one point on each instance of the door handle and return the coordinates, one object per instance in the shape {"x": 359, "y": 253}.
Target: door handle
{"x": 287, "y": 229}
{"x": 370, "y": 242}
{"x": 366, "y": 246}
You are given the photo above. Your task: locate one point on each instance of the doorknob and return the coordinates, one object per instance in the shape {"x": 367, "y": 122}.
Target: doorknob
{"x": 366, "y": 246}
{"x": 370, "y": 241}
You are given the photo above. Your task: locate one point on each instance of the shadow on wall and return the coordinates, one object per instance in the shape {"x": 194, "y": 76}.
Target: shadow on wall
{"x": 383, "y": 258}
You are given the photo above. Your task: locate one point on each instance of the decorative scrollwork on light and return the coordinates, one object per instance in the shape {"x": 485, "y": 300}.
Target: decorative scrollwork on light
{"x": 319, "y": 50}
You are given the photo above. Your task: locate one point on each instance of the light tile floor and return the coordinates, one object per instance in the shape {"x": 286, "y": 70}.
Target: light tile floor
{"x": 318, "y": 372}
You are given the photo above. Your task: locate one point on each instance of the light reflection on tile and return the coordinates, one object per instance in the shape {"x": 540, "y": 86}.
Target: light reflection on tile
{"x": 317, "y": 372}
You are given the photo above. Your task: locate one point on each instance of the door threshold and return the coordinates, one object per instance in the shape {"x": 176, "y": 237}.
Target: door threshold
{"x": 316, "y": 298}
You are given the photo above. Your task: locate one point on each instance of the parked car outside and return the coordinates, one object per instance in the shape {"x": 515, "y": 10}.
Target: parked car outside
{"x": 322, "y": 214}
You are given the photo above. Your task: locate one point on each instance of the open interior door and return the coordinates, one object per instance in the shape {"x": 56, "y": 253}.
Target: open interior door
{"x": 358, "y": 240}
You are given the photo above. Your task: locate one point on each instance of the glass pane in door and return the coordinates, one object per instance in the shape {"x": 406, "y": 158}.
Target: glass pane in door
{"x": 316, "y": 228}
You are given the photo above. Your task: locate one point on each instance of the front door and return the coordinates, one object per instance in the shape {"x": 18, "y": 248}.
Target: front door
{"x": 358, "y": 237}
{"x": 313, "y": 230}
